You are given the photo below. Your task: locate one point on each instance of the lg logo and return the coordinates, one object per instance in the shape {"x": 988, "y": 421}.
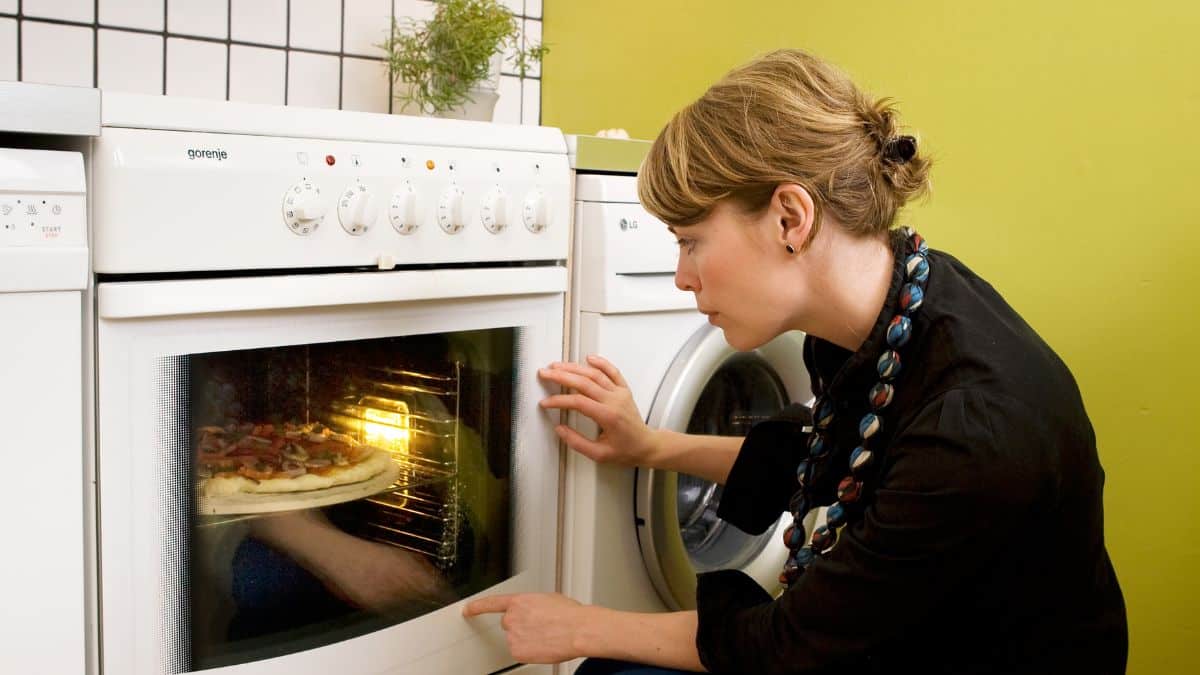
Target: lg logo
{"x": 628, "y": 224}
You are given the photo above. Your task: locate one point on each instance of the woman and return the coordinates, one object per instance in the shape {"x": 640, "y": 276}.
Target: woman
{"x": 966, "y": 528}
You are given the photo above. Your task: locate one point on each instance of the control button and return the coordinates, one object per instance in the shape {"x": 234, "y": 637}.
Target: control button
{"x": 31, "y": 210}
{"x": 357, "y": 209}
{"x": 450, "y": 210}
{"x": 492, "y": 211}
{"x": 56, "y": 209}
{"x": 385, "y": 262}
{"x": 302, "y": 158}
{"x": 403, "y": 210}
{"x": 536, "y": 211}
{"x": 5, "y": 209}
{"x": 303, "y": 210}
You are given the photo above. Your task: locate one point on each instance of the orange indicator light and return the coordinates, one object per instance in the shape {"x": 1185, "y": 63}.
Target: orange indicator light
{"x": 429, "y": 164}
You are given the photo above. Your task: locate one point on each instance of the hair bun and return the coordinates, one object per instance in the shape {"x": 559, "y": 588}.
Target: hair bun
{"x": 900, "y": 149}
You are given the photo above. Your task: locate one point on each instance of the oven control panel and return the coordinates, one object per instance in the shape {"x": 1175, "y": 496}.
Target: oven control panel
{"x": 259, "y": 202}
{"x": 43, "y": 220}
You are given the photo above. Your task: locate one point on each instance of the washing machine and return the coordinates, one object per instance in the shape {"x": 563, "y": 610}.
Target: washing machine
{"x": 634, "y": 539}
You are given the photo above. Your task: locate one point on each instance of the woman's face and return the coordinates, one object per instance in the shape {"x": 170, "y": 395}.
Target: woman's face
{"x": 731, "y": 263}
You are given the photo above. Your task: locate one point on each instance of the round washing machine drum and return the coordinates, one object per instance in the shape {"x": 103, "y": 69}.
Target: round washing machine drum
{"x": 711, "y": 389}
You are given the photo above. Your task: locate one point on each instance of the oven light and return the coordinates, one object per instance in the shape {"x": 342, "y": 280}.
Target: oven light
{"x": 387, "y": 429}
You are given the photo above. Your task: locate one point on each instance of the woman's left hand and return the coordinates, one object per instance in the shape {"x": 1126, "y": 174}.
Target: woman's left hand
{"x": 540, "y": 627}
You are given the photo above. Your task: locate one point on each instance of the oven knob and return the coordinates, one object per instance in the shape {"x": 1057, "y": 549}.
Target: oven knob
{"x": 450, "y": 210}
{"x": 357, "y": 209}
{"x": 303, "y": 210}
{"x": 403, "y": 209}
{"x": 492, "y": 212}
{"x": 536, "y": 211}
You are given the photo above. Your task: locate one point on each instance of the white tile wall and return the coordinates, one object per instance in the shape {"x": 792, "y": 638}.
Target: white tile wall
{"x": 364, "y": 85}
{"x": 321, "y": 53}
{"x": 313, "y": 80}
{"x": 508, "y": 108}
{"x": 421, "y": 10}
{"x": 82, "y": 11}
{"x": 146, "y": 14}
{"x": 56, "y": 54}
{"x": 259, "y": 21}
{"x": 368, "y": 23}
{"x": 195, "y": 68}
{"x": 129, "y": 61}
{"x": 533, "y": 36}
{"x": 206, "y": 18}
{"x": 257, "y": 74}
{"x": 8, "y": 49}
{"x": 316, "y": 24}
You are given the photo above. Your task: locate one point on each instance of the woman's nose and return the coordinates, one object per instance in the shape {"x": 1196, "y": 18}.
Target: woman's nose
{"x": 685, "y": 280}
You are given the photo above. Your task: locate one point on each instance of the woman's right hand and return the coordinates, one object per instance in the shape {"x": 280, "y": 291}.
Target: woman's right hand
{"x": 601, "y": 394}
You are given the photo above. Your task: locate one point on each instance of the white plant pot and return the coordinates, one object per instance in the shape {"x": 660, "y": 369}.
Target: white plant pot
{"x": 480, "y": 106}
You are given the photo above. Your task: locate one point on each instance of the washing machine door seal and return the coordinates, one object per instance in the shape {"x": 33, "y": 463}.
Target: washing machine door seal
{"x": 678, "y": 532}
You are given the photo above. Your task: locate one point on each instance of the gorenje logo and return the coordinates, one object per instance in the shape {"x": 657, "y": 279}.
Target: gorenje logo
{"x": 208, "y": 154}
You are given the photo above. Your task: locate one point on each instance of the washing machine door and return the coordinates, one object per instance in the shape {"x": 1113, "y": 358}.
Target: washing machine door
{"x": 712, "y": 389}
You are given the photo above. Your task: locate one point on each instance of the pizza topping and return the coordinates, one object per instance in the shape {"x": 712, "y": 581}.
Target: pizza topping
{"x": 269, "y": 451}
{"x": 294, "y": 451}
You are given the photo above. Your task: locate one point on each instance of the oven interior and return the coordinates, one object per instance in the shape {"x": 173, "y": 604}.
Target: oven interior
{"x": 301, "y": 573}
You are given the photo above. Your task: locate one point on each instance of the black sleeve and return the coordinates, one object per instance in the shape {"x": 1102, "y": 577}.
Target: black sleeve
{"x": 945, "y": 504}
{"x": 763, "y": 476}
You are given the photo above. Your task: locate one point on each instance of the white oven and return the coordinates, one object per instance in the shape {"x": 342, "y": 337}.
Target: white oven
{"x": 385, "y": 283}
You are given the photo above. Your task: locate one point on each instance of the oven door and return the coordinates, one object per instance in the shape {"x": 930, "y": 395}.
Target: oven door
{"x": 311, "y": 474}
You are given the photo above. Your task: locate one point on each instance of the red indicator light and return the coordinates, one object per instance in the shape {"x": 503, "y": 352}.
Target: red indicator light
{"x": 330, "y": 160}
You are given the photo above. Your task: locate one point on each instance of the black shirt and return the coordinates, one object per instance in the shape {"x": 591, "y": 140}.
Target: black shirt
{"x": 981, "y": 546}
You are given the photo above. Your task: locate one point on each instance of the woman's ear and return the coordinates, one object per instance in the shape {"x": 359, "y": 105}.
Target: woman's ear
{"x": 794, "y": 211}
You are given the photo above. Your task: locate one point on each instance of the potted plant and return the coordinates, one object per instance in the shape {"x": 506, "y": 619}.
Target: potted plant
{"x": 450, "y": 65}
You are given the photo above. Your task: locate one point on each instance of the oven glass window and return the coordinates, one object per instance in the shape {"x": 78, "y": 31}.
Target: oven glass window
{"x": 337, "y": 489}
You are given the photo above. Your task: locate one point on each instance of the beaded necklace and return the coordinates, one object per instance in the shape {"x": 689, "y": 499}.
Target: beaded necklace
{"x": 850, "y": 492}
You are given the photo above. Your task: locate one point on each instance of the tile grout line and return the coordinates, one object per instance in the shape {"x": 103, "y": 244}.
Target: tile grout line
{"x": 287, "y": 50}
{"x": 228, "y": 48}
{"x": 96, "y": 44}
{"x": 20, "y": 21}
{"x": 341, "y": 53}
{"x": 164, "y": 48}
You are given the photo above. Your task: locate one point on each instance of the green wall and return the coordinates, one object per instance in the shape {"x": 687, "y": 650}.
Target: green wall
{"x": 1067, "y": 142}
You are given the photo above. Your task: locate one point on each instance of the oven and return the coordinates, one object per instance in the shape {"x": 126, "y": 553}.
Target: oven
{"x": 317, "y": 430}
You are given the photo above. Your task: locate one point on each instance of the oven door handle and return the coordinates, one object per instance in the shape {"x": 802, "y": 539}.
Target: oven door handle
{"x": 139, "y": 299}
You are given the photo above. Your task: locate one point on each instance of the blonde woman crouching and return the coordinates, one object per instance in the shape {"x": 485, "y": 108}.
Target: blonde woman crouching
{"x": 949, "y": 440}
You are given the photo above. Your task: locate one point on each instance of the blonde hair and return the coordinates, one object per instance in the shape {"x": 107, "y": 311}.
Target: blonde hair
{"x": 786, "y": 117}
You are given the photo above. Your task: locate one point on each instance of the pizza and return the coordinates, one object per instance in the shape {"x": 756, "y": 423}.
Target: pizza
{"x": 269, "y": 458}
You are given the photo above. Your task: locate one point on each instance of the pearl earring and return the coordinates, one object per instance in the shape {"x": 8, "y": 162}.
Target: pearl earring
{"x": 789, "y": 248}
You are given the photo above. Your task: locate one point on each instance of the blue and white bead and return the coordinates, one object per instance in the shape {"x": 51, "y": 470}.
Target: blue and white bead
{"x": 817, "y": 447}
{"x": 911, "y": 298}
{"x": 888, "y": 365}
{"x": 823, "y": 416}
{"x": 917, "y": 267}
{"x": 899, "y": 331}
{"x": 869, "y": 425}
{"x": 860, "y": 460}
